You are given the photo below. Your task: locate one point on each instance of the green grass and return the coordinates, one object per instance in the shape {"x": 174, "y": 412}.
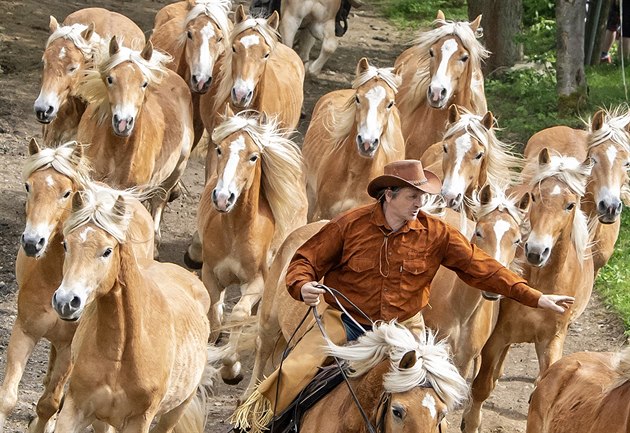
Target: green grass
{"x": 421, "y": 13}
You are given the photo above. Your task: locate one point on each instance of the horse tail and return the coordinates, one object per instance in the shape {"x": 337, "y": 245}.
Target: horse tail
{"x": 195, "y": 416}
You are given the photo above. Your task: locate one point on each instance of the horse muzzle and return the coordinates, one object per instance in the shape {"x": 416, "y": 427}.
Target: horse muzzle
{"x": 538, "y": 255}
{"x": 45, "y": 114}
{"x": 200, "y": 84}
{"x": 222, "y": 201}
{"x": 367, "y": 147}
{"x": 608, "y": 213}
{"x": 437, "y": 97}
{"x": 122, "y": 127}
{"x": 33, "y": 246}
{"x": 242, "y": 99}
{"x": 68, "y": 307}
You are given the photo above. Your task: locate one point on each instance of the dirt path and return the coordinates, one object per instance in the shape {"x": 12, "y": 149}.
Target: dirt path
{"x": 23, "y": 32}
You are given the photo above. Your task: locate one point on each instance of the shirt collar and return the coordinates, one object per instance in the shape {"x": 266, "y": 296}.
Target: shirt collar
{"x": 378, "y": 218}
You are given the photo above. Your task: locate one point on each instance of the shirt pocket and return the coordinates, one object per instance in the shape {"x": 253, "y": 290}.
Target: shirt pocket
{"x": 411, "y": 274}
{"x": 361, "y": 264}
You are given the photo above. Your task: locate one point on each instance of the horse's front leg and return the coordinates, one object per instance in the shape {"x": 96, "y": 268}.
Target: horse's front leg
{"x": 250, "y": 295}
{"x": 72, "y": 418}
{"x": 326, "y": 33}
{"x": 217, "y": 296}
{"x": 549, "y": 351}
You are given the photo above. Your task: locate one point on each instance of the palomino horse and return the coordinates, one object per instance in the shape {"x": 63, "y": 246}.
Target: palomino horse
{"x": 139, "y": 123}
{"x": 140, "y": 348}
{"x": 607, "y": 144}
{"x": 50, "y": 177}
{"x": 402, "y": 384}
{"x": 353, "y": 134}
{"x": 259, "y": 73}
{"x": 316, "y": 21}
{"x": 459, "y": 312}
{"x": 256, "y": 197}
{"x": 586, "y": 392}
{"x": 196, "y": 38}
{"x": 558, "y": 261}
{"x": 470, "y": 156}
{"x": 442, "y": 68}
{"x": 70, "y": 50}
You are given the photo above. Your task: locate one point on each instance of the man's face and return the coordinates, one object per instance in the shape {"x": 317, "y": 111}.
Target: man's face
{"x": 405, "y": 205}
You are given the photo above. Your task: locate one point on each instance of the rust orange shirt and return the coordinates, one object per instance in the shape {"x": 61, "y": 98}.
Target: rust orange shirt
{"x": 388, "y": 275}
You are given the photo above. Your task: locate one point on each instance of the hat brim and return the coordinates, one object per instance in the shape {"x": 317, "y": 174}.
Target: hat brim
{"x": 432, "y": 186}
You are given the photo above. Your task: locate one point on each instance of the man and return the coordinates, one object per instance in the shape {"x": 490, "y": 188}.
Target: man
{"x": 382, "y": 257}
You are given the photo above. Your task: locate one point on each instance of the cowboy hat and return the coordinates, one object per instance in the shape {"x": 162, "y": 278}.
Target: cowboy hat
{"x": 406, "y": 173}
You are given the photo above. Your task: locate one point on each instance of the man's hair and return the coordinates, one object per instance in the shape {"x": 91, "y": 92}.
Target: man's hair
{"x": 381, "y": 193}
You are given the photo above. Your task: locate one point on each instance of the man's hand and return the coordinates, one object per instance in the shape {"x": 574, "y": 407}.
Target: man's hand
{"x": 556, "y": 303}
{"x": 310, "y": 293}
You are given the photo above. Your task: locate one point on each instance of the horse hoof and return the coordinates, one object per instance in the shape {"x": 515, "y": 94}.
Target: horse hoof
{"x": 233, "y": 380}
{"x": 192, "y": 264}
{"x": 175, "y": 192}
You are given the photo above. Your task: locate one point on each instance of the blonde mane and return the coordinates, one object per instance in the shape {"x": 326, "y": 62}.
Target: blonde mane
{"x": 503, "y": 166}
{"x": 94, "y": 90}
{"x": 62, "y": 159}
{"x": 420, "y": 82}
{"x": 613, "y": 129}
{"x": 91, "y": 49}
{"x": 271, "y": 38}
{"x": 575, "y": 175}
{"x": 281, "y": 159}
{"x": 392, "y": 341}
{"x": 216, "y": 10}
{"x": 623, "y": 366}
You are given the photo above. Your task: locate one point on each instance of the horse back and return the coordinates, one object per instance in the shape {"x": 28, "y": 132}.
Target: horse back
{"x": 562, "y": 139}
{"x": 166, "y": 38}
{"x": 177, "y": 10}
{"x": 108, "y": 24}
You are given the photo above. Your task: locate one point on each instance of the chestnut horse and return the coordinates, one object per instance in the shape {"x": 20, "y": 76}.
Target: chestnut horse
{"x": 139, "y": 123}
{"x": 256, "y": 197}
{"x": 607, "y": 144}
{"x": 353, "y": 134}
{"x": 442, "y": 68}
{"x": 140, "y": 348}
{"x": 50, "y": 177}
{"x": 71, "y": 49}
{"x": 586, "y": 392}
{"x": 461, "y": 314}
{"x": 196, "y": 37}
{"x": 559, "y": 261}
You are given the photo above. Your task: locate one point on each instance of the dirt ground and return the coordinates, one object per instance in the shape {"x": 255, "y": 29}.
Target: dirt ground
{"x": 23, "y": 32}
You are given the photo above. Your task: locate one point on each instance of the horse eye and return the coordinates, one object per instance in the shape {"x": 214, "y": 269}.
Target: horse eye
{"x": 65, "y": 246}
{"x": 356, "y": 99}
{"x": 253, "y": 158}
{"x": 518, "y": 241}
{"x": 72, "y": 68}
{"x": 464, "y": 58}
{"x": 110, "y": 80}
{"x": 189, "y": 34}
{"x": 218, "y": 151}
{"x": 67, "y": 194}
{"x": 267, "y": 55}
{"x": 570, "y": 206}
{"x": 233, "y": 49}
{"x": 27, "y": 187}
{"x": 220, "y": 39}
{"x": 398, "y": 413}
{"x": 533, "y": 198}
{"x": 107, "y": 253}
{"x": 390, "y": 105}
{"x": 145, "y": 84}
{"x": 479, "y": 155}
{"x": 626, "y": 165}
{"x": 431, "y": 52}
{"x": 444, "y": 148}
{"x": 478, "y": 234}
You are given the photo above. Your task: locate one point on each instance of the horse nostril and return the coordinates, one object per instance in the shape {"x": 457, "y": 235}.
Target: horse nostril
{"x": 619, "y": 207}
{"x": 194, "y": 79}
{"x": 41, "y": 242}
{"x": 214, "y": 195}
{"x": 116, "y": 118}
{"x": 75, "y": 302}
{"x": 375, "y": 142}
{"x": 545, "y": 252}
{"x": 209, "y": 81}
{"x": 231, "y": 199}
{"x": 443, "y": 93}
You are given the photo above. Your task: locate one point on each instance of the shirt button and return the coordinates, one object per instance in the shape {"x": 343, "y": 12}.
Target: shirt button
{"x": 390, "y": 253}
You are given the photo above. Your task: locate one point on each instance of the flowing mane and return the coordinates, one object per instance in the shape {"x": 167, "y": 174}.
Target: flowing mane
{"x": 613, "y": 129}
{"x": 63, "y": 159}
{"x": 391, "y": 341}
{"x": 281, "y": 161}
{"x": 341, "y": 122}
{"x": 421, "y": 79}
{"x": 216, "y": 10}
{"x": 502, "y": 164}
{"x": 623, "y": 366}
{"x": 271, "y": 38}
{"x": 575, "y": 175}
{"x": 91, "y": 49}
{"x": 93, "y": 88}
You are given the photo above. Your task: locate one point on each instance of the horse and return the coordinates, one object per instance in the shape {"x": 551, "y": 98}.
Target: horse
{"x": 316, "y": 20}
{"x": 196, "y": 37}
{"x": 140, "y": 348}
{"x": 258, "y": 73}
{"x": 51, "y": 176}
{"x": 558, "y": 260}
{"x": 401, "y": 383}
{"x": 71, "y": 49}
{"x": 586, "y": 392}
{"x": 256, "y": 197}
{"x": 607, "y": 144}
{"x": 352, "y": 135}
{"x": 442, "y": 68}
{"x": 470, "y": 156}
{"x": 139, "y": 123}
{"x": 463, "y": 315}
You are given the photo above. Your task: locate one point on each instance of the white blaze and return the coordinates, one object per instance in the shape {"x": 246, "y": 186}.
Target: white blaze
{"x": 500, "y": 229}
{"x": 370, "y": 128}
{"x": 229, "y": 172}
{"x": 250, "y": 40}
{"x": 429, "y": 402}
{"x": 454, "y": 182}
{"x": 441, "y": 78}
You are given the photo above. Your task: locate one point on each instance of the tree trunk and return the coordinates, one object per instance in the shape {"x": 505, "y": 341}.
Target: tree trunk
{"x": 571, "y": 87}
{"x": 503, "y": 21}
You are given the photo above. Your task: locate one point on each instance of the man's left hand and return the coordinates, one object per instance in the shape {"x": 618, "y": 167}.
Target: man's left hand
{"x": 556, "y": 303}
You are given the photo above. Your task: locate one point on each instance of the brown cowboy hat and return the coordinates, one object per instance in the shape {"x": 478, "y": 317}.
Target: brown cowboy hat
{"x": 406, "y": 173}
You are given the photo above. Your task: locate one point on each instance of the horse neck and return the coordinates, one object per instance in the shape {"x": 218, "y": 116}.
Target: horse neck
{"x": 66, "y": 124}
{"x": 463, "y": 95}
{"x": 466, "y": 301}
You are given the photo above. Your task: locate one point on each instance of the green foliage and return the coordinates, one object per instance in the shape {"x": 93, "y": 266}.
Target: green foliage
{"x": 539, "y": 40}
{"x": 417, "y": 13}
{"x": 536, "y": 10}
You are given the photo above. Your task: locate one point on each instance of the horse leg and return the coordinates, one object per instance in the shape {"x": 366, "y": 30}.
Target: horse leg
{"x": 549, "y": 352}
{"x": 102, "y": 427}
{"x": 289, "y": 25}
{"x": 326, "y": 33}
{"x": 217, "y": 295}
{"x": 307, "y": 40}
{"x": 250, "y": 295}
{"x": 492, "y": 359}
{"x": 193, "y": 258}
{"x": 48, "y": 403}
{"x": 71, "y": 418}
{"x": 169, "y": 420}
{"x": 19, "y": 351}
{"x": 137, "y": 424}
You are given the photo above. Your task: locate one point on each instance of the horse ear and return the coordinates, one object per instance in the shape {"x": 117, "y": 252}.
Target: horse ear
{"x": 228, "y": 112}
{"x": 274, "y": 20}
{"x": 240, "y": 14}
{"x": 77, "y": 152}
{"x": 485, "y": 196}
{"x": 524, "y": 203}
{"x": 119, "y": 207}
{"x": 362, "y": 66}
{"x": 488, "y": 120}
{"x": 77, "y": 202}
{"x": 113, "y": 46}
{"x": 453, "y": 114}
{"x": 192, "y": 4}
{"x": 408, "y": 360}
{"x": 598, "y": 121}
{"x": 147, "y": 51}
{"x": 543, "y": 157}
{"x": 87, "y": 33}
{"x": 263, "y": 119}
{"x": 33, "y": 147}
{"x": 475, "y": 24}
{"x": 440, "y": 16}
{"x": 53, "y": 25}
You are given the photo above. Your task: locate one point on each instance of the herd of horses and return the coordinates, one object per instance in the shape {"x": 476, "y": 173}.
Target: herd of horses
{"x": 132, "y": 339}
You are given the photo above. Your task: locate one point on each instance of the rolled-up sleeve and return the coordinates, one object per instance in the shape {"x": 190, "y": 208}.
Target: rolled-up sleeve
{"x": 479, "y": 270}
{"x": 316, "y": 257}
